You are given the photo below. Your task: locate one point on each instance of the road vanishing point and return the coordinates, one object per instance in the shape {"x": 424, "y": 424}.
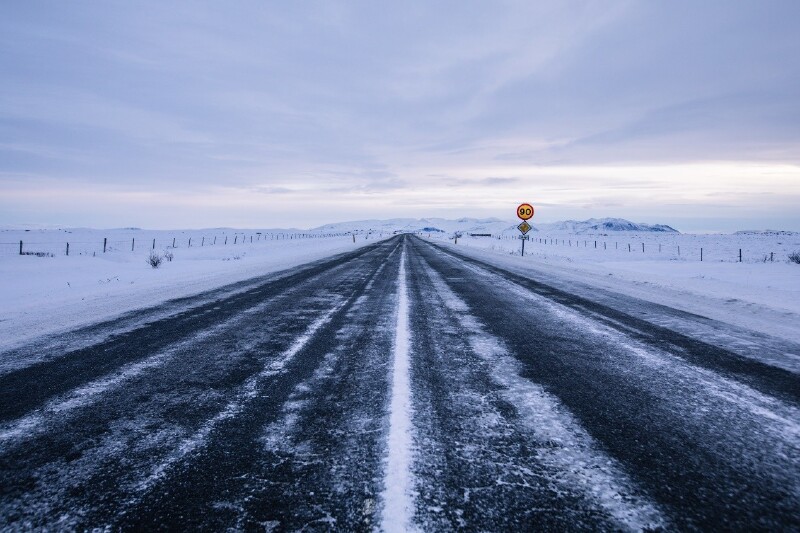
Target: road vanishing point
{"x": 403, "y": 386}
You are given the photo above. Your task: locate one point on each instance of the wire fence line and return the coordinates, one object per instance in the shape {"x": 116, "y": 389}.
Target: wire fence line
{"x": 94, "y": 247}
{"x": 669, "y": 249}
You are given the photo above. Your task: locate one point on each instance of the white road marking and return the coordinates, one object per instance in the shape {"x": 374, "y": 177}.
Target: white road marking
{"x": 398, "y": 496}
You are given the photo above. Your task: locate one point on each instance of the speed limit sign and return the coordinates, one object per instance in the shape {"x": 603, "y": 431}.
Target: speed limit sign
{"x": 525, "y": 211}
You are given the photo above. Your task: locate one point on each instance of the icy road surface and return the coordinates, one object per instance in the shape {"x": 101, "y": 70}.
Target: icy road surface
{"x": 401, "y": 387}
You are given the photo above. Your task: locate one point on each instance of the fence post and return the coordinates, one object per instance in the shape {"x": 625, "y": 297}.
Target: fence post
{"x": 771, "y": 256}
{"x": 215, "y": 239}
{"x": 133, "y": 243}
{"x": 701, "y": 254}
{"x": 203, "y": 242}
{"x": 105, "y": 241}
{"x": 234, "y": 238}
{"x": 629, "y": 247}
{"x": 67, "y": 249}
{"x": 173, "y": 242}
{"x": 226, "y": 239}
{"x": 679, "y": 250}
{"x": 154, "y": 244}
{"x": 740, "y": 255}
{"x": 20, "y": 247}
{"x": 642, "y": 247}
{"x": 251, "y": 239}
{"x": 604, "y": 245}
{"x": 190, "y": 242}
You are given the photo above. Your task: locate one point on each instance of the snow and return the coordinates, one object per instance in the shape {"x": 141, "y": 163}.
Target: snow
{"x": 44, "y": 295}
{"x": 398, "y": 504}
{"x": 758, "y": 295}
{"x": 28, "y": 425}
{"x": 581, "y": 460}
{"x": 776, "y": 417}
{"x": 246, "y": 393}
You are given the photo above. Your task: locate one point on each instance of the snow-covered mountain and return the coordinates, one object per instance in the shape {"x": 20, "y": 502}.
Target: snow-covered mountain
{"x": 423, "y": 225}
{"x": 603, "y": 225}
{"x": 489, "y": 225}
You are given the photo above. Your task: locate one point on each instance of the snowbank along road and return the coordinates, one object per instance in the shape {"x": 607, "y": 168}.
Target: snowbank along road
{"x": 399, "y": 387}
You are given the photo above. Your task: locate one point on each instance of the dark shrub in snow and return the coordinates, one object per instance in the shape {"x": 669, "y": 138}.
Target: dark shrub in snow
{"x": 154, "y": 260}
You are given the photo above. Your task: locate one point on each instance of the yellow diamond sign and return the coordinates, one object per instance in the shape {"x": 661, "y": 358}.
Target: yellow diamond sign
{"x": 524, "y": 228}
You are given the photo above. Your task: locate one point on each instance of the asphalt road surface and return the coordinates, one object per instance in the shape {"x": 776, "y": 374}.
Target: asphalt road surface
{"x": 401, "y": 386}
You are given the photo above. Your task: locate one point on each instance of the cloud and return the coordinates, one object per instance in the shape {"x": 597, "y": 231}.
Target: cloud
{"x": 273, "y": 190}
{"x": 423, "y": 105}
{"x": 499, "y": 181}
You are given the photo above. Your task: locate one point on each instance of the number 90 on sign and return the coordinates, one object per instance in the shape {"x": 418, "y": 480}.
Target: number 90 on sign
{"x": 525, "y": 211}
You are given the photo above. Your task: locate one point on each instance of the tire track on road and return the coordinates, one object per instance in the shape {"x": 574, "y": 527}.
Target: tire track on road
{"x": 235, "y": 478}
{"x": 117, "y": 439}
{"x": 711, "y": 452}
{"x": 22, "y": 389}
{"x": 497, "y": 451}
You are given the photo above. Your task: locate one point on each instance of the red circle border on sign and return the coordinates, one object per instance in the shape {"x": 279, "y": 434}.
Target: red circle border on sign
{"x": 520, "y": 206}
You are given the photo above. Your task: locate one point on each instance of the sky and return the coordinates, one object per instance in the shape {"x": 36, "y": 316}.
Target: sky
{"x": 280, "y": 113}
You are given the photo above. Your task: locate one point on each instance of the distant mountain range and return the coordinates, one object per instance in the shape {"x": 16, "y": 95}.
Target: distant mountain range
{"x": 493, "y": 226}
{"x": 766, "y": 232}
{"x": 602, "y": 225}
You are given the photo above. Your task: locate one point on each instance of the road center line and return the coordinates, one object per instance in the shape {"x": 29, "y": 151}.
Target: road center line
{"x": 398, "y": 499}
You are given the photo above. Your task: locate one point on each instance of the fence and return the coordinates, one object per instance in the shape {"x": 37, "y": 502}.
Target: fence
{"x": 84, "y": 245}
{"x": 678, "y": 248}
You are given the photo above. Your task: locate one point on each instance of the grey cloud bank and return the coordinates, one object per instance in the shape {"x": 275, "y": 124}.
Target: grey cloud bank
{"x": 258, "y": 114}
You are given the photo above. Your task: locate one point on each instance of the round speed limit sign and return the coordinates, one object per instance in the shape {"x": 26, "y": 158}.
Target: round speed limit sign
{"x": 525, "y": 211}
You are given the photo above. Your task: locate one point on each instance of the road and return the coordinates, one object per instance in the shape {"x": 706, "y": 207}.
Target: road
{"x": 401, "y": 386}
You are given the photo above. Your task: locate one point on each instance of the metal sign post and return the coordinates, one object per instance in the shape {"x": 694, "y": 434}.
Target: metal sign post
{"x": 523, "y": 238}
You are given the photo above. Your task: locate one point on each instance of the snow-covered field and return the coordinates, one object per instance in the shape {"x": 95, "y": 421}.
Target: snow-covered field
{"x": 53, "y": 292}
{"x": 627, "y": 247}
{"x": 47, "y": 294}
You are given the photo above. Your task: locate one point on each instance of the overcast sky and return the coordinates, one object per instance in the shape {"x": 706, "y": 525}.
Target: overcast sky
{"x": 259, "y": 114}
